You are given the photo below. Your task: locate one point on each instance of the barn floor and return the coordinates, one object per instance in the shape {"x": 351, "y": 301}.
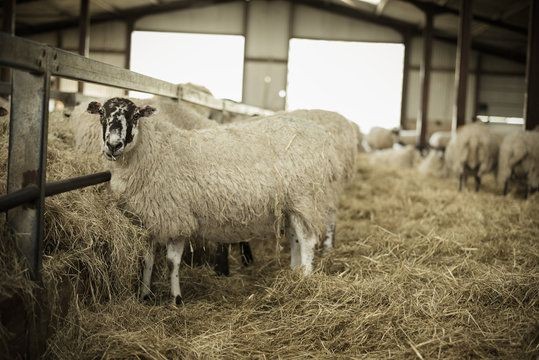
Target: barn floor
{"x": 419, "y": 270}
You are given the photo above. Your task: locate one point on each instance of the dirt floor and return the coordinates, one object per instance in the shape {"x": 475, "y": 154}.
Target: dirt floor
{"x": 419, "y": 271}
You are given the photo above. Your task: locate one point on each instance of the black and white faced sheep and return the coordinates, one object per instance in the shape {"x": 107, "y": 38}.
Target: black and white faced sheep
{"x": 242, "y": 181}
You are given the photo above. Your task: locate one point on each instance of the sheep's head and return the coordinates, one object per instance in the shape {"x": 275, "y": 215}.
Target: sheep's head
{"x": 119, "y": 118}
{"x": 3, "y": 112}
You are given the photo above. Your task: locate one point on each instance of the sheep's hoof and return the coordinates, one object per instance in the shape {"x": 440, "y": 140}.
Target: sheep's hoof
{"x": 178, "y": 300}
{"x": 146, "y": 297}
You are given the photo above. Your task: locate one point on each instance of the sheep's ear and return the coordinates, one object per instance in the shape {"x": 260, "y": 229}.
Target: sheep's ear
{"x": 145, "y": 111}
{"x": 94, "y": 107}
{"x": 3, "y": 112}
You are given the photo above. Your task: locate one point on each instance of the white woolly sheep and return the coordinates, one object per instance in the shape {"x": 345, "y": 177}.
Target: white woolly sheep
{"x": 404, "y": 157}
{"x": 519, "y": 160}
{"x": 241, "y": 181}
{"x": 473, "y": 151}
{"x": 202, "y": 110}
{"x": 379, "y": 138}
{"x": 432, "y": 164}
{"x": 439, "y": 140}
{"x": 407, "y": 137}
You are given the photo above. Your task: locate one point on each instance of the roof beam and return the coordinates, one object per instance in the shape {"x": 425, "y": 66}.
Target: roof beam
{"x": 381, "y": 7}
{"x": 480, "y": 18}
{"x": 412, "y": 29}
{"x": 514, "y": 9}
{"x": 132, "y": 13}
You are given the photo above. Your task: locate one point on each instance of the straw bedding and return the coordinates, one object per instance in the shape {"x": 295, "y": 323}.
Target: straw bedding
{"x": 419, "y": 271}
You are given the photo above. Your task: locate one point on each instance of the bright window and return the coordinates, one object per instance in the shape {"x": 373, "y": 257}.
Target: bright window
{"x": 362, "y": 81}
{"x": 214, "y": 61}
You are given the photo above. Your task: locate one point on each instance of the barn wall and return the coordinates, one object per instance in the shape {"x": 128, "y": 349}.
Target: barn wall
{"x": 268, "y": 26}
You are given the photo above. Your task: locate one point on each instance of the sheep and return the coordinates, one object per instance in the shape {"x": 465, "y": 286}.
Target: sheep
{"x": 399, "y": 157}
{"x": 432, "y": 164}
{"x": 519, "y": 160}
{"x": 473, "y": 151}
{"x": 379, "y": 138}
{"x": 240, "y": 181}
{"x": 439, "y": 140}
{"x": 202, "y": 110}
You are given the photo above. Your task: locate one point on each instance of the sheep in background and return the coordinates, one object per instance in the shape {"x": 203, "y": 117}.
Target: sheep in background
{"x": 379, "y": 138}
{"x": 440, "y": 140}
{"x": 432, "y": 164}
{"x": 399, "y": 157}
{"x": 199, "y": 109}
{"x": 473, "y": 151}
{"x": 519, "y": 161}
{"x": 241, "y": 181}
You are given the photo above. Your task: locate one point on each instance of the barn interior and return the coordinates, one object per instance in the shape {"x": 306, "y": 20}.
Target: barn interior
{"x": 419, "y": 268}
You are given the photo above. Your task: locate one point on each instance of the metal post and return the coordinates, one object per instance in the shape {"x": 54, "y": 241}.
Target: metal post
{"x": 129, "y": 26}
{"x": 26, "y": 168}
{"x": 245, "y": 35}
{"x": 477, "y": 91}
{"x": 422, "y": 116}
{"x": 84, "y": 34}
{"x": 405, "y": 76}
{"x": 461, "y": 68}
{"x": 8, "y": 26}
{"x": 27, "y": 160}
{"x": 531, "y": 101}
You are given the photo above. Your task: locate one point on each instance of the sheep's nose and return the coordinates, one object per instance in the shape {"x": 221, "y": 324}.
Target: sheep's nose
{"x": 114, "y": 147}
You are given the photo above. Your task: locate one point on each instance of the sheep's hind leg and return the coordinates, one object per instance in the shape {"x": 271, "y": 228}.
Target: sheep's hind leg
{"x": 477, "y": 183}
{"x": 506, "y": 187}
{"x": 307, "y": 241}
{"x": 221, "y": 266}
{"x": 462, "y": 181}
{"x": 148, "y": 263}
{"x": 246, "y": 253}
{"x": 294, "y": 246}
{"x": 174, "y": 258}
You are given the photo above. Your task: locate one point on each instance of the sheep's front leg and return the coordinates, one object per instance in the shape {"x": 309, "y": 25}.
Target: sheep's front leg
{"x": 307, "y": 241}
{"x": 329, "y": 241}
{"x": 294, "y": 246}
{"x": 148, "y": 263}
{"x": 174, "y": 258}
{"x": 246, "y": 253}
{"x": 221, "y": 267}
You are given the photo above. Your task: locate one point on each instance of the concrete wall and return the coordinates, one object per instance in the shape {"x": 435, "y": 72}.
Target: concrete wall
{"x": 268, "y": 26}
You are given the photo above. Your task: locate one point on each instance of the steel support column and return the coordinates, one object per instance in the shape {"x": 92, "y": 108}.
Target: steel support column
{"x": 422, "y": 116}
{"x": 477, "y": 91}
{"x": 461, "y": 68}
{"x": 405, "y": 76}
{"x": 84, "y": 34}
{"x": 129, "y": 26}
{"x": 531, "y": 101}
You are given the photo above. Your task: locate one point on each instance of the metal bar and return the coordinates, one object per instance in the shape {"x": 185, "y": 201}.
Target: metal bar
{"x": 22, "y": 54}
{"x": 405, "y": 76}
{"x": 461, "y": 67}
{"x": 84, "y": 34}
{"x": 531, "y": 101}
{"x": 31, "y": 192}
{"x": 422, "y": 116}
{"x": 8, "y": 26}
{"x": 27, "y": 161}
{"x": 19, "y": 197}
{"x": 62, "y": 186}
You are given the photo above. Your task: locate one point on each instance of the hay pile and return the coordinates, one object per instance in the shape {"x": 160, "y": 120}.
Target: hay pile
{"x": 90, "y": 246}
{"x": 419, "y": 270}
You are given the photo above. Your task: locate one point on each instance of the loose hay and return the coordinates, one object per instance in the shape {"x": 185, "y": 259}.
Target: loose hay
{"x": 419, "y": 270}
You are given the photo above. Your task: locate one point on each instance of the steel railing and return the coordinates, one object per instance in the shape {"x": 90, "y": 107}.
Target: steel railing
{"x": 33, "y": 65}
